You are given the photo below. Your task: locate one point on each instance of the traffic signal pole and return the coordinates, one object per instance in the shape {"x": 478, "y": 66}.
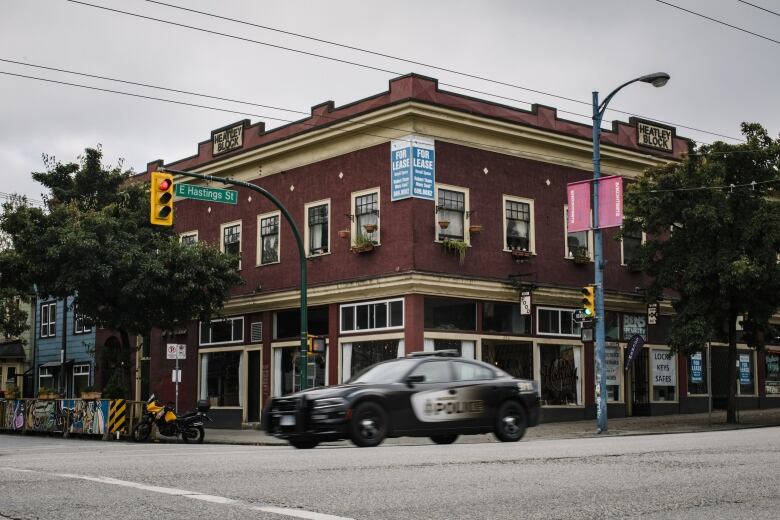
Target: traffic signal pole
{"x": 303, "y": 358}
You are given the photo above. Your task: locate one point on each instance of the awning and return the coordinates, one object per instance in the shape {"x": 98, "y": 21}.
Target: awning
{"x": 53, "y": 364}
{"x": 12, "y": 350}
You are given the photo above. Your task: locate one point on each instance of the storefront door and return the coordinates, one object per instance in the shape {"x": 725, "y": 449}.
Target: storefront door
{"x": 640, "y": 385}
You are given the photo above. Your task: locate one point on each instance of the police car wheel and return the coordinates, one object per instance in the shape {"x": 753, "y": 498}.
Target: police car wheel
{"x": 444, "y": 439}
{"x": 304, "y": 444}
{"x": 369, "y": 425}
{"x": 510, "y": 422}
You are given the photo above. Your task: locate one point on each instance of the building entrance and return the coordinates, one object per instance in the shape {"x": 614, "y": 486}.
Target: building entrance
{"x": 640, "y": 385}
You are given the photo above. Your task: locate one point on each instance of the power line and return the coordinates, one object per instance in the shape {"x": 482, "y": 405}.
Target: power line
{"x": 379, "y": 69}
{"x": 752, "y": 185}
{"x": 715, "y": 20}
{"x": 759, "y": 7}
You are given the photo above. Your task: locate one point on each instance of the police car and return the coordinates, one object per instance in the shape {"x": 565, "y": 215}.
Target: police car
{"x": 426, "y": 394}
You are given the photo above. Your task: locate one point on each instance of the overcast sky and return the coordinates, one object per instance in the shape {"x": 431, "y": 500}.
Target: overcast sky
{"x": 720, "y": 76}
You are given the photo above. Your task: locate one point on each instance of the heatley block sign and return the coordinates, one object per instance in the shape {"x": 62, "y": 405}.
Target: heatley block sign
{"x": 412, "y": 168}
{"x": 655, "y": 136}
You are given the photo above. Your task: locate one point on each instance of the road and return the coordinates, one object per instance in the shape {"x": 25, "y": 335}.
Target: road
{"x": 731, "y": 474}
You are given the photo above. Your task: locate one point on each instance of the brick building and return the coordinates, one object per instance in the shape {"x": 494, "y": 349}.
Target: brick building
{"x": 384, "y": 240}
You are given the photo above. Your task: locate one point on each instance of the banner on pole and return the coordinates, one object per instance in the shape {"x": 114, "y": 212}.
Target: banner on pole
{"x": 578, "y": 217}
{"x": 632, "y": 349}
{"x": 610, "y": 201}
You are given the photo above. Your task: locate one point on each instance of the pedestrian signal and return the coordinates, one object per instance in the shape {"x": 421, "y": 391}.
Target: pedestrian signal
{"x": 161, "y": 199}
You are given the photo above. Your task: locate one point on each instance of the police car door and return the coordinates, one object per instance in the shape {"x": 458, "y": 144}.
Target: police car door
{"x": 476, "y": 391}
{"x": 429, "y": 405}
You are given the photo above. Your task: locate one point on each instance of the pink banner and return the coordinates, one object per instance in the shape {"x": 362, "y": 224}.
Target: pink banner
{"x": 578, "y": 195}
{"x": 610, "y": 202}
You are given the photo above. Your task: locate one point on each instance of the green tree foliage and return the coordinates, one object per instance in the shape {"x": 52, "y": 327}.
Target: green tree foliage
{"x": 94, "y": 240}
{"x": 713, "y": 227}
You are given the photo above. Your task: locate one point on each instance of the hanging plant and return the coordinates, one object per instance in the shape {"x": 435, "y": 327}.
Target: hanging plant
{"x": 458, "y": 246}
{"x": 362, "y": 244}
{"x": 344, "y": 233}
{"x": 475, "y": 228}
{"x": 370, "y": 228}
{"x": 444, "y": 224}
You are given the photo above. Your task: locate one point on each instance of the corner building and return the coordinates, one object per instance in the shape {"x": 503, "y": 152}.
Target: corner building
{"x": 426, "y": 215}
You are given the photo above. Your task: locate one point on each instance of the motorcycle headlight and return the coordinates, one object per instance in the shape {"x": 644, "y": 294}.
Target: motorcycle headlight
{"x": 330, "y": 402}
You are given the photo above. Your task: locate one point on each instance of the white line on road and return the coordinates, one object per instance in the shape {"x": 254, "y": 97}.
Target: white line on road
{"x": 284, "y": 511}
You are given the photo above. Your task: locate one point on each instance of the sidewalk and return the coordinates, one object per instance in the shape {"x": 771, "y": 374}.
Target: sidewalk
{"x": 546, "y": 431}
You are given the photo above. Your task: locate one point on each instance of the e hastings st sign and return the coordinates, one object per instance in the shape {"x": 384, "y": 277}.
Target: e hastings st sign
{"x": 653, "y": 135}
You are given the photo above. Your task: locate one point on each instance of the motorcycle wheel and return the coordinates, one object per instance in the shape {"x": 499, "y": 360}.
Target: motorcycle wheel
{"x": 141, "y": 431}
{"x": 193, "y": 434}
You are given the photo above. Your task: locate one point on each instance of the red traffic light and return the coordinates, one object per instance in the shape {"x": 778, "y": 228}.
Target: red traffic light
{"x": 165, "y": 184}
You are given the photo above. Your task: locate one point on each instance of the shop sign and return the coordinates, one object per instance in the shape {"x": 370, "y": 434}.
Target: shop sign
{"x": 633, "y": 348}
{"x": 652, "y": 313}
{"x": 228, "y": 139}
{"x": 634, "y": 324}
{"x": 412, "y": 168}
{"x": 525, "y": 303}
{"x": 664, "y": 371}
{"x": 654, "y": 136}
{"x": 745, "y": 377}
{"x": 696, "y": 374}
{"x": 612, "y": 364}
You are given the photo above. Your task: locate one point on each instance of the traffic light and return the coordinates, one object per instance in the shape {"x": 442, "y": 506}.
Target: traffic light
{"x": 161, "y": 202}
{"x": 589, "y": 301}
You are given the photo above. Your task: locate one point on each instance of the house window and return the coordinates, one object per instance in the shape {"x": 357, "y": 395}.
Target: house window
{"x": 577, "y": 243}
{"x": 451, "y": 214}
{"x": 45, "y": 378}
{"x": 48, "y": 318}
{"x": 372, "y": 316}
{"x": 228, "y": 330}
{"x": 556, "y": 322}
{"x": 80, "y": 379}
{"x": 221, "y": 380}
{"x": 189, "y": 238}
{"x": 632, "y": 240}
{"x": 81, "y": 324}
{"x": 317, "y": 229}
{"x": 518, "y": 226}
{"x": 269, "y": 239}
{"x": 231, "y": 240}
{"x": 366, "y": 212}
{"x": 559, "y": 367}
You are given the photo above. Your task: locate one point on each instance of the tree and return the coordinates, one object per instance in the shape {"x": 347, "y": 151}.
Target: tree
{"x": 13, "y": 319}
{"x": 94, "y": 241}
{"x": 713, "y": 227}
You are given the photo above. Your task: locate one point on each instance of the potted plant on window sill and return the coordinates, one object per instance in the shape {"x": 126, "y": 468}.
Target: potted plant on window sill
{"x": 90, "y": 392}
{"x": 520, "y": 255}
{"x": 11, "y": 392}
{"x": 581, "y": 255}
{"x": 362, "y": 244}
{"x": 47, "y": 393}
{"x": 456, "y": 246}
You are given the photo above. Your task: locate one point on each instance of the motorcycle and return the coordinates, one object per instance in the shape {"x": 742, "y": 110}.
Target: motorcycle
{"x": 189, "y": 425}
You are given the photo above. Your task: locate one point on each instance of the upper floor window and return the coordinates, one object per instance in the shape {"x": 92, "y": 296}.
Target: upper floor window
{"x": 518, "y": 224}
{"x": 578, "y": 244}
{"x": 632, "y": 239}
{"x": 269, "y": 239}
{"x": 81, "y": 324}
{"x": 365, "y": 208}
{"x": 227, "y": 330}
{"x": 451, "y": 213}
{"x": 191, "y": 237}
{"x": 317, "y": 230}
{"x": 372, "y": 315}
{"x": 556, "y": 322}
{"x": 48, "y": 319}
{"x": 231, "y": 240}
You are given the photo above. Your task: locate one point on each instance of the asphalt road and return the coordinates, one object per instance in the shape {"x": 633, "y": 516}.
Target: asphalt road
{"x": 731, "y": 474}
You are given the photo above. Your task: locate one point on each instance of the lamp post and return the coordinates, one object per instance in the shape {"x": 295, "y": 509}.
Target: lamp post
{"x": 657, "y": 79}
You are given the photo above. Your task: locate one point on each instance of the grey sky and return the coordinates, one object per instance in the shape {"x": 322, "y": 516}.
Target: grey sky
{"x": 720, "y": 76}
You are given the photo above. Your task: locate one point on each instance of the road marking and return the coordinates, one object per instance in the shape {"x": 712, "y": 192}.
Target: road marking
{"x": 283, "y": 511}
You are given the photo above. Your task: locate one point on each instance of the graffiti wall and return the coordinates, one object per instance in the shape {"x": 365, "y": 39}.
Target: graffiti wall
{"x": 55, "y": 416}
{"x": 86, "y": 417}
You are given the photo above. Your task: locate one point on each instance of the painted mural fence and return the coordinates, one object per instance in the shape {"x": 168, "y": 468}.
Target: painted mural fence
{"x": 102, "y": 417}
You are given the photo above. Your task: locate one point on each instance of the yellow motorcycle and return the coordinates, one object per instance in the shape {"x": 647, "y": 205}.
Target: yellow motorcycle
{"x": 189, "y": 426}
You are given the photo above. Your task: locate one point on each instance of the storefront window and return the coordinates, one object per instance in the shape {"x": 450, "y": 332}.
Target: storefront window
{"x": 611, "y": 326}
{"x": 663, "y": 375}
{"x": 697, "y": 373}
{"x": 746, "y": 373}
{"x": 560, "y": 372}
{"x": 613, "y": 370}
{"x": 287, "y": 370}
{"x": 356, "y": 357}
{"x": 516, "y": 359}
{"x": 505, "y": 318}
{"x": 772, "y": 384}
{"x": 221, "y": 378}
{"x": 634, "y": 324}
{"x": 448, "y": 344}
{"x": 287, "y": 324}
{"x": 449, "y": 314}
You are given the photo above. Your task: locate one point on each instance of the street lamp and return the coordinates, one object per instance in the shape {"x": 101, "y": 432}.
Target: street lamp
{"x": 657, "y": 79}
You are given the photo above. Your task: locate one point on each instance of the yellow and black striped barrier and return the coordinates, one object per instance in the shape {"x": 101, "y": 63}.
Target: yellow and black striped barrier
{"x": 117, "y": 415}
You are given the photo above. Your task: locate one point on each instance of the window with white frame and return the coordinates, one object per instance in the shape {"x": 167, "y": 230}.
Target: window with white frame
{"x": 367, "y": 316}
{"x": 556, "y": 322}
{"x": 222, "y": 377}
{"x": 45, "y": 378}
{"x": 318, "y": 227}
{"x": 48, "y": 319}
{"x": 269, "y": 239}
{"x": 451, "y": 213}
{"x": 227, "y": 330}
{"x": 663, "y": 374}
{"x": 81, "y": 324}
{"x": 189, "y": 238}
{"x": 631, "y": 241}
{"x": 231, "y": 240}
{"x": 578, "y": 244}
{"x": 365, "y": 208}
{"x": 560, "y": 374}
{"x": 80, "y": 379}
{"x": 518, "y": 224}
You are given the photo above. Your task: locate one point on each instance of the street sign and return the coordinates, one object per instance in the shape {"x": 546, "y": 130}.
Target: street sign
{"x": 579, "y": 316}
{"x": 174, "y": 348}
{"x": 193, "y": 191}
{"x": 652, "y": 313}
{"x": 176, "y": 376}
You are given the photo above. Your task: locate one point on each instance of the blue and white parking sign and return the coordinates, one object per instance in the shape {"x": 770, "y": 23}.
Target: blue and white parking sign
{"x": 413, "y": 168}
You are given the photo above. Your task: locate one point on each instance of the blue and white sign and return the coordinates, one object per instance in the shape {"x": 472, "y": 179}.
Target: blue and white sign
{"x": 696, "y": 375}
{"x": 413, "y": 168}
{"x": 745, "y": 376}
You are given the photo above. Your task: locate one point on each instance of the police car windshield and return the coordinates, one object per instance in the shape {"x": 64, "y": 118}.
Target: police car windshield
{"x": 387, "y": 372}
